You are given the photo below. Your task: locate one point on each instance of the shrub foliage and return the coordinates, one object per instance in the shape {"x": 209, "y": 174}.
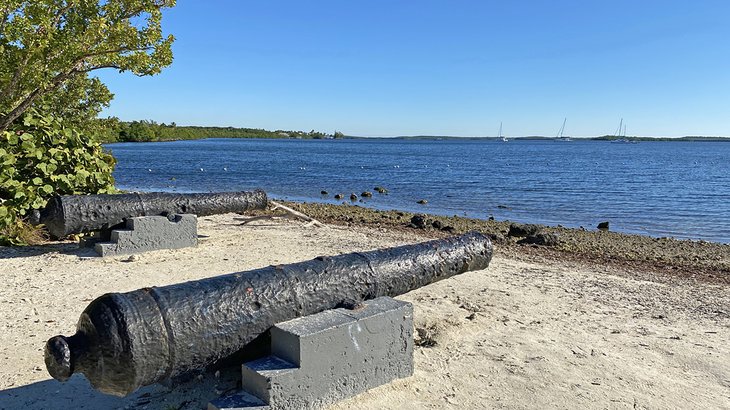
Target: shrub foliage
{"x": 39, "y": 158}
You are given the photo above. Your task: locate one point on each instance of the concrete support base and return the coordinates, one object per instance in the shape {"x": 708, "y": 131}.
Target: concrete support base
{"x": 148, "y": 233}
{"x": 326, "y": 357}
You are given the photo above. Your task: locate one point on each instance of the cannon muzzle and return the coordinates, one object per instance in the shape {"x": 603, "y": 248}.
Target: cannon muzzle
{"x": 69, "y": 214}
{"x": 128, "y": 340}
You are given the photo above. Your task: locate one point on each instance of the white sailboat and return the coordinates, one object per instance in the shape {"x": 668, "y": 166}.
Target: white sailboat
{"x": 560, "y": 136}
{"x": 502, "y": 137}
{"x": 621, "y": 133}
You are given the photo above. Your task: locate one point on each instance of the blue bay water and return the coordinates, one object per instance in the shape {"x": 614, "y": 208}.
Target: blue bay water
{"x": 679, "y": 189}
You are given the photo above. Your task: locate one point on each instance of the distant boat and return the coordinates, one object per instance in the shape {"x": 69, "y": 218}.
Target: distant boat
{"x": 502, "y": 137}
{"x": 621, "y": 133}
{"x": 560, "y": 136}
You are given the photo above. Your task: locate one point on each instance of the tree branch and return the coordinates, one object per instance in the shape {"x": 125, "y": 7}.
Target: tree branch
{"x": 56, "y": 82}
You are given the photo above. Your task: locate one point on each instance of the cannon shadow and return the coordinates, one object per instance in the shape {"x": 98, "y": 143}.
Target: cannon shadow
{"x": 77, "y": 393}
{"x": 66, "y": 248}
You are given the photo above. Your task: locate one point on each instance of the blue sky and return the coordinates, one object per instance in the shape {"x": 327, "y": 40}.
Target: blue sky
{"x": 450, "y": 67}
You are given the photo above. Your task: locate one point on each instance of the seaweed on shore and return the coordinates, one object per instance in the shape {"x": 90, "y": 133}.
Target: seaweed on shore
{"x": 657, "y": 259}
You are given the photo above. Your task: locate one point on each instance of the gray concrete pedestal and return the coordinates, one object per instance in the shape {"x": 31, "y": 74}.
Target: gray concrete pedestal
{"x": 148, "y": 233}
{"x": 326, "y": 357}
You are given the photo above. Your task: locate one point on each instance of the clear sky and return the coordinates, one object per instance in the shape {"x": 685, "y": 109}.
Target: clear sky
{"x": 449, "y": 67}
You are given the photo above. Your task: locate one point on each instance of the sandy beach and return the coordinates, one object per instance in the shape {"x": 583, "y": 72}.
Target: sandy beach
{"x": 534, "y": 330}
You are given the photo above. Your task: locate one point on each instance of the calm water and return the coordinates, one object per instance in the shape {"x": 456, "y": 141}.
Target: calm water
{"x": 679, "y": 189}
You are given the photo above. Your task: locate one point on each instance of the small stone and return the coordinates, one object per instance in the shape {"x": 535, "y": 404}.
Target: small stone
{"x": 522, "y": 230}
{"x": 353, "y": 197}
{"x": 418, "y": 221}
{"x": 603, "y": 226}
{"x": 449, "y": 229}
{"x": 380, "y": 190}
{"x": 324, "y": 192}
{"x": 437, "y": 225}
{"x": 339, "y": 196}
{"x": 132, "y": 258}
{"x": 540, "y": 238}
{"x": 366, "y": 194}
{"x": 422, "y": 202}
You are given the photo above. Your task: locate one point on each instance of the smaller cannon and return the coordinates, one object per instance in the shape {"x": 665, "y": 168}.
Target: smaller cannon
{"x": 70, "y": 214}
{"x": 127, "y": 340}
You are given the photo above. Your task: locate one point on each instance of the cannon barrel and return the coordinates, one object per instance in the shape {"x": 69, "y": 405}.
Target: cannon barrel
{"x": 128, "y": 340}
{"x": 69, "y": 214}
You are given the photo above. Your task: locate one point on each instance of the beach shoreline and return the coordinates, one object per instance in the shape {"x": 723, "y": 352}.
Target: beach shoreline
{"x": 581, "y": 324}
{"x": 664, "y": 258}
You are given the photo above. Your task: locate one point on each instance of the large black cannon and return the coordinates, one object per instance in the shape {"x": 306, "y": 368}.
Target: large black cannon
{"x": 127, "y": 340}
{"x": 69, "y": 214}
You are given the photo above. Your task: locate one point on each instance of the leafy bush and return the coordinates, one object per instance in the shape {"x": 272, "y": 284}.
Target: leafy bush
{"x": 41, "y": 158}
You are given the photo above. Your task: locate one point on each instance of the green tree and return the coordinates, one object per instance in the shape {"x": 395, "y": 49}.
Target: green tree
{"x": 41, "y": 158}
{"x": 49, "y": 47}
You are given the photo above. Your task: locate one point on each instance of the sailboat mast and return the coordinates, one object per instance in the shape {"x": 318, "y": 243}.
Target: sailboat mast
{"x": 620, "y": 125}
{"x": 560, "y": 133}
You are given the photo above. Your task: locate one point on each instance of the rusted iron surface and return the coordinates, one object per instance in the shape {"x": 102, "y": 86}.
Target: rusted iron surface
{"x": 70, "y": 214}
{"x": 128, "y": 340}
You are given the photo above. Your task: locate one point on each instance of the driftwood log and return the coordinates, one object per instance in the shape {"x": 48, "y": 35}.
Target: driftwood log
{"x": 70, "y": 214}
{"x": 127, "y": 340}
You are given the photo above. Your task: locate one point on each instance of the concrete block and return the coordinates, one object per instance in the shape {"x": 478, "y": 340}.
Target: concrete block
{"x": 323, "y": 358}
{"x": 147, "y": 233}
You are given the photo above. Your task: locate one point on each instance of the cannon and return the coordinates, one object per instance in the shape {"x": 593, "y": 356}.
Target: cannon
{"x": 128, "y": 340}
{"x": 70, "y": 214}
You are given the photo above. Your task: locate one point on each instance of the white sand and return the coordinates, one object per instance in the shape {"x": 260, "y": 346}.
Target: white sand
{"x": 521, "y": 334}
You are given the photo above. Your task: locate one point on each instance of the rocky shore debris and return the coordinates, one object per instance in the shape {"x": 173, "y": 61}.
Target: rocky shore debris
{"x": 324, "y": 193}
{"x": 380, "y": 190}
{"x": 522, "y": 230}
{"x": 422, "y": 202}
{"x": 420, "y": 221}
{"x": 339, "y": 196}
{"x": 540, "y": 238}
{"x": 353, "y": 197}
{"x": 658, "y": 257}
{"x": 532, "y": 234}
{"x": 603, "y": 226}
{"x": 367, "y": 194}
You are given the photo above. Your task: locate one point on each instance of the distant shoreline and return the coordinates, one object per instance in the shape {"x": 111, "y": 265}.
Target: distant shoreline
{"x": 150, "y": 131}
{"x": 446, "y": 138}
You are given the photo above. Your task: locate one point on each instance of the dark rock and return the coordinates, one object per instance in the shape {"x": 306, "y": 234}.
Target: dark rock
{"x": 491, "y": 218}
{"x": 497, "y": 237}
{"x": 353, "y": 197}
{"x": 422, "y": 202}
{"x": 449, "y": 229}
{"x": 540, "y": 238}
{"x": 366, "y": 194}
{"x": 437, "y": 224}
{"x": 339, "y": 196}
{"x": 380, "y": 190}
{"x": 418, "y": 221}
{"x": 324, "y": 193}
{"x": 503, "y": 207}
{"x": 603, "y": 226}
{"x": 521, "y": 230}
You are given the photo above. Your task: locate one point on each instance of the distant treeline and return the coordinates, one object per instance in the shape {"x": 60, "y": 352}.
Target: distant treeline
{"x": 687, "y": 138}
{"x": 147, "y": 130}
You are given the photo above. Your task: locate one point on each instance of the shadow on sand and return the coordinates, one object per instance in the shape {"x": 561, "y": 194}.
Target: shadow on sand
{"x": 66, "y": 248}
{"x": 77, "y": 393}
